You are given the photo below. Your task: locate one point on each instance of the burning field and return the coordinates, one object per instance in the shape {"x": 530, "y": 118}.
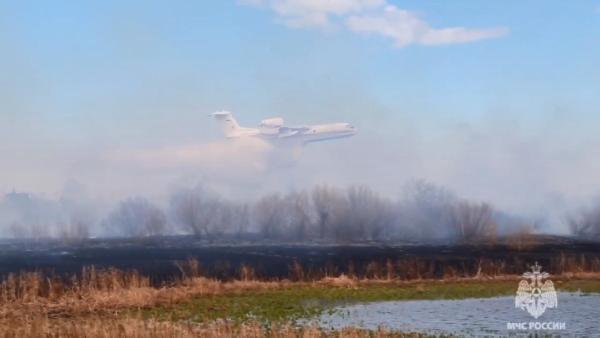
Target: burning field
{"x": 160, "y": 258}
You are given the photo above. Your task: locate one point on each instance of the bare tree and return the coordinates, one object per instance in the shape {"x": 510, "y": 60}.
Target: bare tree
{"x": 30, "y": 216}
{"x": 229, "y": 217}
{"x": 77, "y": 228}
{"x": 327, "y": 202}
{"x": 426, "y": 210}
{"x": 299, "y": 211}
{"x": 196, "y": 209}
{"x": 473, "y": 221}
{"x": 270, "y": 215}
{"x": 369, "y": 215}
{"x": 77, "y": 212}
{"x": 240, "y": 218}
{"x": 359, "y": 213}
{"x": 384, "y": 219}
{"x": 137, "y": 217}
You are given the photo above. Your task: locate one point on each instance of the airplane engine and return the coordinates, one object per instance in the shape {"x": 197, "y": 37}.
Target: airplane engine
{"x": 274, "y": 122}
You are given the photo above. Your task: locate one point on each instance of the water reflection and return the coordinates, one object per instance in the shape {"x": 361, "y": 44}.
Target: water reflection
{"x": 471, "y": 317}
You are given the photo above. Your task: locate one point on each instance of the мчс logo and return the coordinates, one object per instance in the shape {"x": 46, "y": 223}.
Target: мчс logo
{"x": 538, "y": 295}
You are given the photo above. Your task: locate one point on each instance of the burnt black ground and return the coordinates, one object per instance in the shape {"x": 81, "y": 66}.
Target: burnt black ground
{"x": 156, "y": 257}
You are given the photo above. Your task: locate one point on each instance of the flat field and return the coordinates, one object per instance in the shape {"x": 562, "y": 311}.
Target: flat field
{"x": 174, "y": 287}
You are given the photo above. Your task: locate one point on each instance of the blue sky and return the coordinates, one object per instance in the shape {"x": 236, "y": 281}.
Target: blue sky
{"x": 81, "y": 80}
{"x": 241, "y": 52}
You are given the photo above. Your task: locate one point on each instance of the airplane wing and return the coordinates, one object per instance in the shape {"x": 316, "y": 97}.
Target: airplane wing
{"x": 291, "y": 131}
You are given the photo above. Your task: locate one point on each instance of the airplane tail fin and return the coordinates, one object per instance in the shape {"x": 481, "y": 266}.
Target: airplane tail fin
{"x": 230, "y": 126}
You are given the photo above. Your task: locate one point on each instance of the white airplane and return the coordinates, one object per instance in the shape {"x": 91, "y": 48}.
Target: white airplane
{"x": 272, "y": 129}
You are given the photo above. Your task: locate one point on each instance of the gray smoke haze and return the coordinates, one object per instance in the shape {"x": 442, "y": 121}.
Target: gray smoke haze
{"x": 536, "y": 174}
{"x": 538, "y": 171}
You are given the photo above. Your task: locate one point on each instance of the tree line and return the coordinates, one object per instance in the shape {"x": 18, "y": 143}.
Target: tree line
{"x": 323, "y": 213}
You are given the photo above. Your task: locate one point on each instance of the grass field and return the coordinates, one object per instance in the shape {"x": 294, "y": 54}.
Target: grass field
{"x": 301, "y": 300}
{"x": 113, "y": 303}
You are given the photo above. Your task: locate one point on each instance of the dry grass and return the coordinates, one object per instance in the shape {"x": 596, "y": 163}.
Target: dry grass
{"x": 133, "y": 327}
{"x": 340, "y": 281}
{"x": 107, "y": 292}
{"x": 94, "y": 303}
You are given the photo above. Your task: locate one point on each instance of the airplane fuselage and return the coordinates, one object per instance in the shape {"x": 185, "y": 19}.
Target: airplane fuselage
{"x": 273, "y": 130}
{"x": 323, "y": 132}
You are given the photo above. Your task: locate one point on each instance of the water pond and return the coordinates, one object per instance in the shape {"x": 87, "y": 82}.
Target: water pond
{"x": 480, "y": 317}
